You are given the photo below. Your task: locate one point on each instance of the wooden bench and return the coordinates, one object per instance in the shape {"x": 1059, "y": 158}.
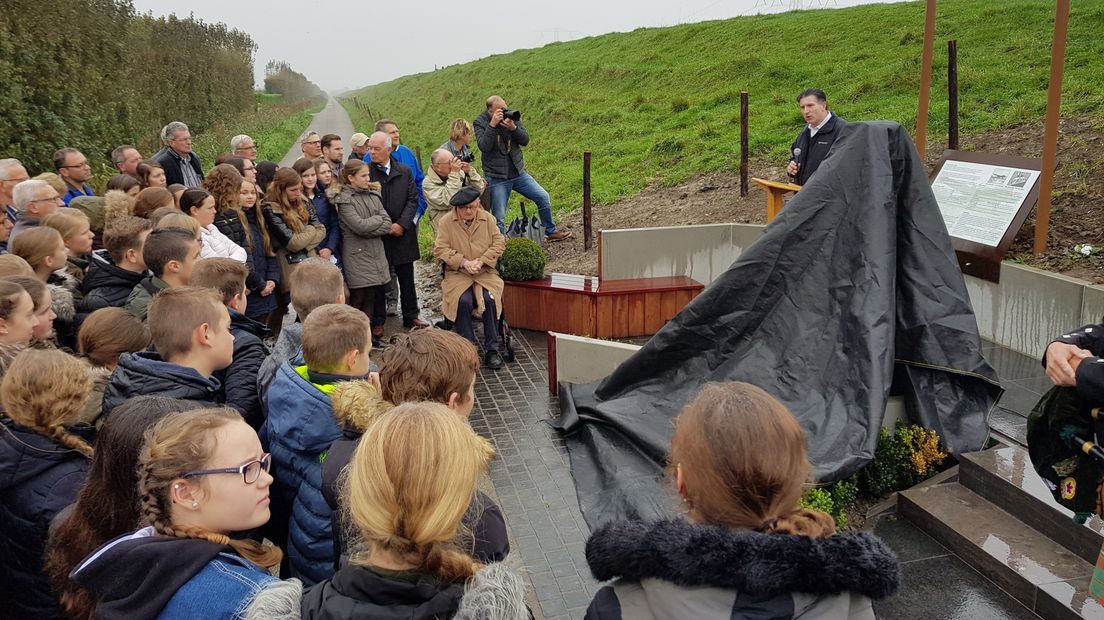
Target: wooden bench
{"x": 588, "y": 306}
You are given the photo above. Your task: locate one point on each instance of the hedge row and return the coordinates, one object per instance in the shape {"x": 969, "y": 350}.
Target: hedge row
{"x": 93, "y": 74}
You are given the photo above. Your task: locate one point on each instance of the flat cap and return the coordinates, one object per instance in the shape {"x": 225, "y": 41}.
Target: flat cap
{"x": 358, "y": 139}
{"x": 465, "y": 196}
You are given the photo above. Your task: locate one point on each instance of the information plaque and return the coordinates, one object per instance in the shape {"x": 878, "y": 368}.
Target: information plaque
{"x": 984, "y": 199}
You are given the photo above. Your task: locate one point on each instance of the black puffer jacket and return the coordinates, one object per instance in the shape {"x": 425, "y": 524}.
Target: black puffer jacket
{"x": 239, "y": 380}
{"x": 106, "y": 286}
{"x": 144, "y": 373}
{"x": 230, "y": 224}
{"x": 38, "y": 478}
{"x": 494, "y": 593}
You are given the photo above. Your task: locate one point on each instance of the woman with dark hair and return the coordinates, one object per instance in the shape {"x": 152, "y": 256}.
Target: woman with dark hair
{"x": 746, "y": 548}
{"x": 266, "y": 171}
{"x": 124, "y": 183}
{"x": 329, "y": 249}
{"x": 199, "y": 204}
{"x": 246, "y": 168}
{"x": 261, "y": 301}
{"x": 107, "y": 505}
{"x": 151, "y": 174}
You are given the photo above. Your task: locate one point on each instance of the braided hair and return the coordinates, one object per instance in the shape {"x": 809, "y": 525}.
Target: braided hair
{"x": 179, "y": 443}
{"x": 45, "y": 391}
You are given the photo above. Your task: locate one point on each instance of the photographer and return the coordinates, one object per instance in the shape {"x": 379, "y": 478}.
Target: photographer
{"x": 444, "y": 177}
{"x": 501, "y": 136}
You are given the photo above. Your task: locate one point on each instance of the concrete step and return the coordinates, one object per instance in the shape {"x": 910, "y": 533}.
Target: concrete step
{"x": 1042, "y": 575}
{"x": 1005, "y": 477}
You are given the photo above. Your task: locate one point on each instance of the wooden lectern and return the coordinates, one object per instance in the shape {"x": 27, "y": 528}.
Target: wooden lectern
{"x": 775, "y": 191}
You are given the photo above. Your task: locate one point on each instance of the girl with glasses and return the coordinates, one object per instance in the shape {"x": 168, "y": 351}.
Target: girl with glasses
{"x": 201, "y": 477}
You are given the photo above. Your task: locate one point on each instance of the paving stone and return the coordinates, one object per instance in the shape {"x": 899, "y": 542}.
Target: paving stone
{"x": 532, "y": 479}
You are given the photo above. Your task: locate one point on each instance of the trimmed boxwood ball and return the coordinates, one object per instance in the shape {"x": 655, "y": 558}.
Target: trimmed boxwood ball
{"x": 522, "y": 260}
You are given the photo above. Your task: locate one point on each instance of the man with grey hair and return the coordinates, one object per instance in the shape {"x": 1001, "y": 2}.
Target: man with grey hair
{"x": 243, "y": 146}
{"x": 311, "y": 145}
{"x": 126, "y": 159}
{"x": 444, "y": 177}
{"x": 181, "y": 165}
{"x": 33, "y": 200}
{"x": 400, "y": 200}
{"x": 12, "y": 173}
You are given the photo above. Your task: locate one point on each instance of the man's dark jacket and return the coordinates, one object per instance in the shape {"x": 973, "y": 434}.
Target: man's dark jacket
{"x": 498, "y": 145}
{"x": 812, "y": 154}
{"x": 400, "y": 200}
{"x": 171, "y": 163}
{"x": 106, "y": 286}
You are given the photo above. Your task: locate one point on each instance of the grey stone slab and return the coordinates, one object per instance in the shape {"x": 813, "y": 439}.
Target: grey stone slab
{"x": 1010, "y": 423}
{"x": 1012, "y": 555}
{"x": 1013, "y": 366}
{"x": 1068, "y": 600}
{"x": 909, "y": 542}
{"x": 1018, "y": 398}
{"x": 1005, "y": 477}
{"x": 945, "y": 587}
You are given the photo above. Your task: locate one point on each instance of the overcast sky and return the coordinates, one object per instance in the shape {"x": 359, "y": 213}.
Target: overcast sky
{"x": 355, "y": 43}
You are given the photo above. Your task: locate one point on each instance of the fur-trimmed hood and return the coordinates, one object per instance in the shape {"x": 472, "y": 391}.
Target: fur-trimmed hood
{"x": 689, "y": 554}
{"x": 61, "y": 296}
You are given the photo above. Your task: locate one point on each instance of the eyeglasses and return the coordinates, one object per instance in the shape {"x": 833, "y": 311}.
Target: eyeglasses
{"x": 313, "y": 142}
{"x": 54, "y": 198}
{"x": 16, "y": 181}
{"x": 83, "y": 164}
{"x": 250, "y": 472}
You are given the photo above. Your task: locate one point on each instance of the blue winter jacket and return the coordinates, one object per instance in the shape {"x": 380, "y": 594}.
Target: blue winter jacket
{"x": 405, "y": 156}
{"x": 327, "y": 214}
{"x": 299, "y": 430}
{"x": 38, "y": 478}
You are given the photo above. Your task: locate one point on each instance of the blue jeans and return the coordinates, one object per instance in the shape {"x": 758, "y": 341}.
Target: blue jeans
{"x": 526, "y": 186}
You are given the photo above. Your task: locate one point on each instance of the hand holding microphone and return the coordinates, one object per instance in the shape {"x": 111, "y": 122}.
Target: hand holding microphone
{"x": 794, "y": 166}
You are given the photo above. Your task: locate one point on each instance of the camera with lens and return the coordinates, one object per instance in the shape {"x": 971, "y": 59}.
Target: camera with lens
{"x": 467, "y": 158}
{"x": 514, "y": 115}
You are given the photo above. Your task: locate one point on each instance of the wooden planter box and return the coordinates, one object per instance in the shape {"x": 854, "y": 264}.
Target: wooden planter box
{"x": 585, "y": 306}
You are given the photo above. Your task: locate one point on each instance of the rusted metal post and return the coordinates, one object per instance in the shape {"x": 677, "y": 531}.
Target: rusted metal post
{"x": 743, "y": 143}
{"x": 925, "y": 80}
{"x": 586, "y": 201}
{"x": 1050, "y": 131}
{"x": 952, "y": 95}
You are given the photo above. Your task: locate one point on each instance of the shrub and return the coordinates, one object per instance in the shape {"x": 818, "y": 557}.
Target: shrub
{"x": 824, "y": 501}
{"x": 908, "y": 455}
{"x": 522, "y": 260}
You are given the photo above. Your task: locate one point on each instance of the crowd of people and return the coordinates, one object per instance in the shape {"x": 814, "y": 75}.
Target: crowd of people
{"x": 199, "y": 420}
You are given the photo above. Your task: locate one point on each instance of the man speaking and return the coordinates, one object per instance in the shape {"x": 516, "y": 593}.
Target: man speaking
{"x": 814, "y": 141}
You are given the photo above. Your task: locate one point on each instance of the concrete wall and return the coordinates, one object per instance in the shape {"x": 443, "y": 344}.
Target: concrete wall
{"x": 1030, "y": 307}
{"x": 1024, "y": 312}
{"x": 582, "y": 360}
{"x": 702, "y": 252}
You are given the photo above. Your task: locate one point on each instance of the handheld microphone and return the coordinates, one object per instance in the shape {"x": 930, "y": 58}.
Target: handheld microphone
{"x": 796, "y": 156}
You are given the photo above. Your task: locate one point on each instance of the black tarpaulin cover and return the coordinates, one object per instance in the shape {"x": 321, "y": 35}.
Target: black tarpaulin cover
{"x": 856, "y": 280}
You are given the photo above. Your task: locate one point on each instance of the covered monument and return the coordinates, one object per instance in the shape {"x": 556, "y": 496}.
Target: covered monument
{"x": 852, "y": 291}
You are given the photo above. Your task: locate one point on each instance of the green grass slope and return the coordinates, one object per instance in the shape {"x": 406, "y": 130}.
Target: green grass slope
{"x": 661, "y": 104}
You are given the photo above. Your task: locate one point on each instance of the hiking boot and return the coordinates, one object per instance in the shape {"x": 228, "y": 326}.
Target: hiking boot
{"x": 559, "y": 235}
{"x": 493, "y": 360}
{"x": 415, "y": 324}
{"x": 392, "y": 309}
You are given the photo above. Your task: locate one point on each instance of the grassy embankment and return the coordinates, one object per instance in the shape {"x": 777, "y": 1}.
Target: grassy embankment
{"x": 659, "y": 105}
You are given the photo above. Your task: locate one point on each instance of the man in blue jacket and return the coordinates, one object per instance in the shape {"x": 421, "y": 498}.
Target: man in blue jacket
{"x": 73, "y": 168}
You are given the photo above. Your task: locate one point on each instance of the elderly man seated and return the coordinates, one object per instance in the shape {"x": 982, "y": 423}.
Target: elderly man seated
{"x": 469, "y": 243}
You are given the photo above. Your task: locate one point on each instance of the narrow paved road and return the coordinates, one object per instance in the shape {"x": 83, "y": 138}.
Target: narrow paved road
{"x": 332, "y": 119}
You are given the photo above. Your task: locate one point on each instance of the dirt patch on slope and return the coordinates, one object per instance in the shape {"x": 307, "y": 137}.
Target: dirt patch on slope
{"x": 1077, "y": 212}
